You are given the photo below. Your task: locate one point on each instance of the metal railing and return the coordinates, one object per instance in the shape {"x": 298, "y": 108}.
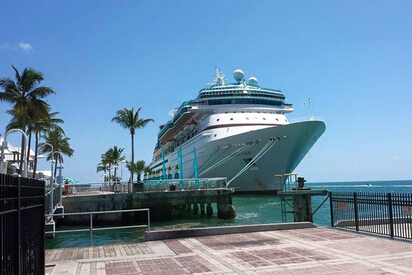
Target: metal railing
{"x": 56, "y": 199}
{"x": 378, "y": 213}
{"x": 91, "y": 229}
{"x": 184, "y": 184}
{"x": 77, "y": 188}
{"x": 21, "y": 225}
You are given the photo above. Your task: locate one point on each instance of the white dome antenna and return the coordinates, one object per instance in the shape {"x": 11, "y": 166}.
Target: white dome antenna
{"x": 252, "y": 81}
{"x": 238, "y": 74}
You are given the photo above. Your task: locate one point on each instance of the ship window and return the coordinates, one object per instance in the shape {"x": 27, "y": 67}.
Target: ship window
{"x": 231, "y": 118}
{"x": 264, "y": 118}
{"x": 277, "y": 119}
{"x": 214, "y": 135}
{"x": 247, "y": 118}
{"x": 218, "y": 119}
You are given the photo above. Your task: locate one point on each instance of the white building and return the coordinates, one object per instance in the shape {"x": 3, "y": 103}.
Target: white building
{"x": 12, "y": 157}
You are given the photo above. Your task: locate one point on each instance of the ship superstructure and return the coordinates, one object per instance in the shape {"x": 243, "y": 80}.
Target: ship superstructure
{"x": 239, "y": 130}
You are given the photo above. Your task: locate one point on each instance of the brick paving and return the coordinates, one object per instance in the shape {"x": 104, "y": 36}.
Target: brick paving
{"x": 299, "y": 251}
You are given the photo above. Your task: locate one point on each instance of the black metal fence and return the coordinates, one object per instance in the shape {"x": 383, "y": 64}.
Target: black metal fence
{"x": 379, "y": 213}
{"x": 21, "y": 225}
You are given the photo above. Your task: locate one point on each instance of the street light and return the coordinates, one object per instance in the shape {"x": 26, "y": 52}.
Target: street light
{"x": 121, "y": 168}
{"x": 3, "y": 164}
{"x": 51, "y": 179}
{"x": 60, "y": 176}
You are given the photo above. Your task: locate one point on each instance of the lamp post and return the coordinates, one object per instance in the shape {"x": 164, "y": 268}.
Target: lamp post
{"x": 3, "y": 164}
{"x": 51, "y": 179}
{"x": 60, "y": 181}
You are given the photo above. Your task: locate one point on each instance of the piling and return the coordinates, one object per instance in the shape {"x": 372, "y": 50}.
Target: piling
{"x": 209, "y": 210}
{"x": 195, "y": 209}
{"x": 300, "y": 200}
{"x": 202, "y": 209}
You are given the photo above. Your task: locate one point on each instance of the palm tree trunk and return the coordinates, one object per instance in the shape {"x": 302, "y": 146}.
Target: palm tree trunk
{"x": 28, "y": 147}
{"x": 35, "y": 154}
{"x": 132, "y": 153}
{"x": 115, "y": 172}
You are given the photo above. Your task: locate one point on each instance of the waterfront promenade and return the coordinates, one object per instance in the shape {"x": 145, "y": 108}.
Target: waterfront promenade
{"x": 296, "y": 251}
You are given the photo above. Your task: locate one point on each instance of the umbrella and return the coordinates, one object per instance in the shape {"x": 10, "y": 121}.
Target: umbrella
{"x": 70, "y": 180}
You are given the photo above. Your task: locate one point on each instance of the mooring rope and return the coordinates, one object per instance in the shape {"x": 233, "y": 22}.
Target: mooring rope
{"x": 227, "y": 158}
{"x": 259, "y": 155}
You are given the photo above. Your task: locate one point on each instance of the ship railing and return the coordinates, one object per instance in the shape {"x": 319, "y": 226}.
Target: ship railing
{"x": 184, "y": 184}
{"x": 98, "y": 187}
{"x": 303, "y": 119}
{"x": 97, "y": 215}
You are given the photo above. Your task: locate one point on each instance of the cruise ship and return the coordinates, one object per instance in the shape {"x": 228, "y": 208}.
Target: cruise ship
{"x": 235, "y": 130}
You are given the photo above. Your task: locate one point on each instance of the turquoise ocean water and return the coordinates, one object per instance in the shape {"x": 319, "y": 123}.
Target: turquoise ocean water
{"x": 250, "y": 209}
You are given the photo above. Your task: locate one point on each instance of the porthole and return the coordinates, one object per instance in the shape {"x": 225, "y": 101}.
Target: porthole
{"x": 264, "y": 118}
{"x": 277, "y": 119}
{"x": 247, "y": 118}
{"x": 231, "y": 118}
{"x": 218, "y": 119}
{"x": 214, "y": 135}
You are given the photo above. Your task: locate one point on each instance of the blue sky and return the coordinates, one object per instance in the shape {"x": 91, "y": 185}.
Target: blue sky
{"x": 352, "y": 58}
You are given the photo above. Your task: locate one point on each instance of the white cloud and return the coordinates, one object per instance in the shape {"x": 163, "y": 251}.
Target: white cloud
{"x": 25, "y": 47}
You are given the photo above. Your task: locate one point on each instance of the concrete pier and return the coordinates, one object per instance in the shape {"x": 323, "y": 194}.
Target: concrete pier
{"x": 292, "y": 250}
{"x": 163, "y": 205}
{"x": 300, "y": 201}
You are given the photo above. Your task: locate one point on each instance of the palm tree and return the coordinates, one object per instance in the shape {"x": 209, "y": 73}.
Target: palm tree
{"x": 114, "y": 156}
{"x": 60, "y": 143}
{"x": 103, "y": 166}
{"x": 137, "y": 167}
{"x": 25, "y": 92}
{"x": 147, "y": 171}
{"x": 40, "y": 125}
{"x": 129, "y": 119}
{"x": 37, "y": 123}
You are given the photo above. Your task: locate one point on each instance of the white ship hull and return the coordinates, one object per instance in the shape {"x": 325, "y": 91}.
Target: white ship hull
{"x": 294, "y": 142}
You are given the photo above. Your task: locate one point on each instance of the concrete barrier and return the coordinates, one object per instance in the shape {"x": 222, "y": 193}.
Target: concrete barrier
{"x": 208, "y": 231}
{"x": 164, "y": 205}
